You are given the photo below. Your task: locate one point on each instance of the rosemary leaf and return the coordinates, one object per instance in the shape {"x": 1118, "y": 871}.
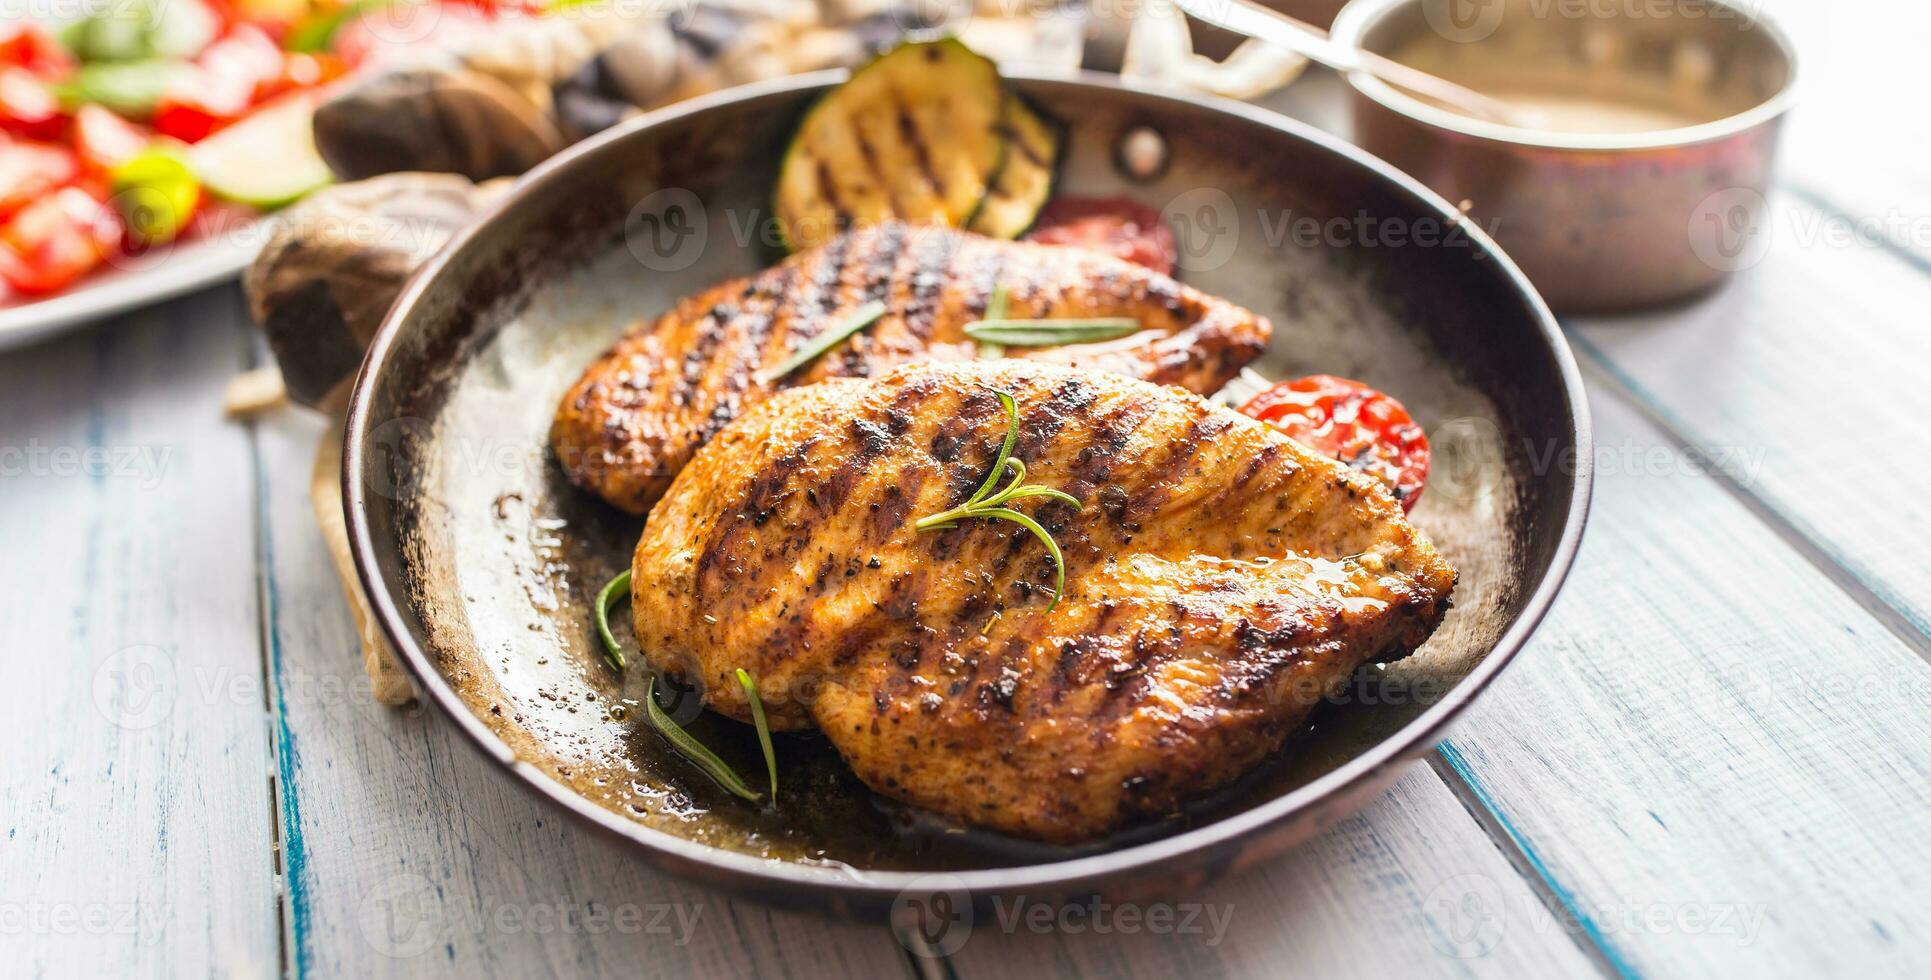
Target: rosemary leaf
{"x": 764, "y": 729}
{"x": 692, "y": 749}
{"x": 860, "y": 319}
{"x": 1005, "y": 448}
{"x": 1051, "y": 333}
{"x": 613, "y": 590}
{"x": 995, "y": 310}
{"x": 1059, "y": 563}
{"x": 1039, "y": 491}
{"x": 987, "y": 504}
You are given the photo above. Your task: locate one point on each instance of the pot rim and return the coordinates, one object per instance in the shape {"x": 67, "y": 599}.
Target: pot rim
{"x": 1360, "y": 16}
{"x": 749, "y": 873}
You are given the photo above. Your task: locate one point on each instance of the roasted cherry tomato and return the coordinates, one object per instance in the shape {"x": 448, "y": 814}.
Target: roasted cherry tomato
{"x": 1113, "y": 225}
{"x": 1353, "y": 423}
{"x": 56, "y": 240}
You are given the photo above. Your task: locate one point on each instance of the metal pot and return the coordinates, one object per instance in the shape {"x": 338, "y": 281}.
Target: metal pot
{"x": 1600, "y": 221}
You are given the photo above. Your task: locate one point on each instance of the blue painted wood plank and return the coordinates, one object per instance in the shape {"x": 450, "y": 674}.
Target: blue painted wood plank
{"x": 409, "y": 856}
{"x": 1710, "y": 750}
{"x": 137, "y": 837}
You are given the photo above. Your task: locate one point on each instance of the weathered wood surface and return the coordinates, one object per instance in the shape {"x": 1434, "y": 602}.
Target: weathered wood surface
{"x": 1713, "y": 760}
{"x": 1411, "y": 886}
{"x": 409, "y": 856}
{"x": 1713, "y": 753}
{"x": 1803, "y": 381}
{"x": 135, "y": 831}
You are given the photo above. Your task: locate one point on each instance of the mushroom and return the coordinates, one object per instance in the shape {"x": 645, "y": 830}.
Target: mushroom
{"x": 336, "y": 261}
{"x": 433, "y": 118}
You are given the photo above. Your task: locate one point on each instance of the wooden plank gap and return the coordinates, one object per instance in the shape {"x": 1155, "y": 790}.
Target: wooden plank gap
{"x": 289, "y": 855}
{"x": 1588, "y": 938}
{"x": 929, "y": 965}
{"x": 1801, "y": 538}
{"x": 1825, "y": 202}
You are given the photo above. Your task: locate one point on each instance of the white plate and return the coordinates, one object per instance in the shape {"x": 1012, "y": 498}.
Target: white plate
{"x": 135, "y": 283}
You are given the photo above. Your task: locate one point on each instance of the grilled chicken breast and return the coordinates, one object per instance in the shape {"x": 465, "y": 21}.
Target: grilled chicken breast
{"x": 1220, "y": 579}
{"x": 636, "y": 416}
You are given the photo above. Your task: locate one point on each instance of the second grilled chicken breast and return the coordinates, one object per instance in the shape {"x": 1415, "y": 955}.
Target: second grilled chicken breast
{"x": 1220, "y": 580}
{"x": 636, "y": 416}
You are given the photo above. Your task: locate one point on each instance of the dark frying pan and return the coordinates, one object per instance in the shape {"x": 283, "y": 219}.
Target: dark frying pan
{"x": 481, "y": 561}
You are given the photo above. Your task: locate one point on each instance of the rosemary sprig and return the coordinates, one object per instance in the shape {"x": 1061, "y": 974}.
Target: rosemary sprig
{"x": 685, "y": 743}
{"x": 1050, "y": 333}
{"x": 764, "y": 730}
{"x": 986, "y": 503}
{"x": 995, "y": 310}
{"x": 613, "y": 590}
{"x": 691, "y": 748}
{"x": 859, "y": 320}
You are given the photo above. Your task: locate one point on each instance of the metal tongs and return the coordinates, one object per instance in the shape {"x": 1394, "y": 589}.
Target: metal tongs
{"x": 1250, "y": 19}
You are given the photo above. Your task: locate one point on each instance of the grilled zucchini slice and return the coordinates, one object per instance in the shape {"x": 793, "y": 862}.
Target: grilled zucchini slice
{"x": 917, "y": 135}
{"x": 1025, "y": 181}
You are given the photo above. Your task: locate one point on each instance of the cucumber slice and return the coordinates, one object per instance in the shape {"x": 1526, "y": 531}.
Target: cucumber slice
{"x": 266, "y": 160}
{"x": 914, "y": 135}
{"x": 1025, "y": 182}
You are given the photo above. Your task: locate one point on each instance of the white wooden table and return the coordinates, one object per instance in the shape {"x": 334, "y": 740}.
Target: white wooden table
{"x": 1714, "y": 759}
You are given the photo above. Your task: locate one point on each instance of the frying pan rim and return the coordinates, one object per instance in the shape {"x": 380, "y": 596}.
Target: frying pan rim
{"x": 747, "y": 872}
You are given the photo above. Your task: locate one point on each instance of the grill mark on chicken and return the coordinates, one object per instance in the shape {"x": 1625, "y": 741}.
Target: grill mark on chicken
{"x": 639, "y": 412}
{"x": 1165, "y": 475}
{"x": 1093, "y": 461}
{"x": 1168, "y": 669}
{"x": 927, "y": 285}
{"x": 826, "y": 278}
{"x": 759, "y": 327}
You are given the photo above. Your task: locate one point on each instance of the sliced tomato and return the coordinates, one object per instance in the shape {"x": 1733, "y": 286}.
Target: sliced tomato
{"x": 104, "y": 140}
{"x": 221, "y": 86}
{"x": 28, "y": 107}
{"x": 1113, "y": 225}
{"x": 31, "y": 171}
{"x": 31, "y": 46}
{"x": 1353, "y": 423}
{"x": 56, "y": 240}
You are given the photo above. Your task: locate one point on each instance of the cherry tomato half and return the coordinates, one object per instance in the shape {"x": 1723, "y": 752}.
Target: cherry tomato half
{"x": 56, "y": 240}
{"x": 31, "y": 171}
{"x": 1113, "y": 225}
{"x": 28, "y": 107}
{"x": 31, "y": 46}
{"x": 104, "y": 140}
{"x": 1353, "y": 423}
